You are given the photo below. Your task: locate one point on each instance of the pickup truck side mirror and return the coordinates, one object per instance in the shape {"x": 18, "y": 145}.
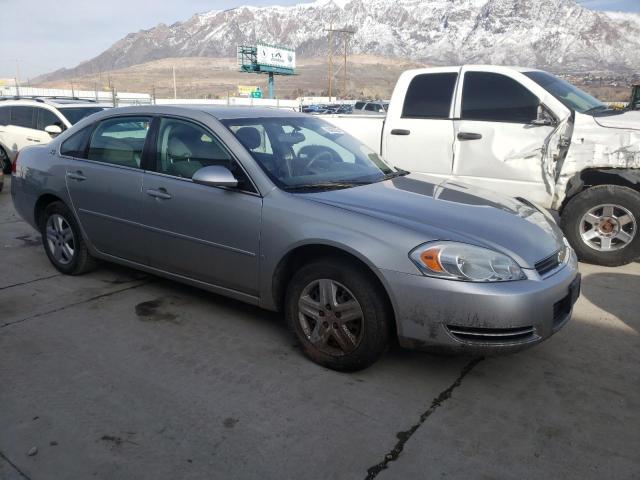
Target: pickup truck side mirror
{"x": 53, "y": 130}
{"x": 215, "y": 176}
{"x": 543, "y": 118}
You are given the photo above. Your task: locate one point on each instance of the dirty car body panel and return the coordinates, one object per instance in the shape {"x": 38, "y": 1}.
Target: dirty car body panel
{"x": 377, "y": 224}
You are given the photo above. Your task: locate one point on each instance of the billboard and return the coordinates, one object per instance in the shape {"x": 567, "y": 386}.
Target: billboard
{"x": 273, "y": 56}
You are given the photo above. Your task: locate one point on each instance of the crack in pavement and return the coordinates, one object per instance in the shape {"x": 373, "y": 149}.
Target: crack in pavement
{"x": 15, "y": 467}
{"x": 403, "y": 437}
{"x": 64, "y": 307}
{"x": 31, "y": 281}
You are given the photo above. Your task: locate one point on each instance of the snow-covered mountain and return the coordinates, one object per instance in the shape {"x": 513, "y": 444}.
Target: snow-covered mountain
{"x": 553, "y": 34}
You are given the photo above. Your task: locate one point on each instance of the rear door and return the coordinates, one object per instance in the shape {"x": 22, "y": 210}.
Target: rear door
{"x": 497, "y": 144}
{"x": 205, "y": 233}
{"x": 105, "y": 184}
{"x": 22, "y": 128}
{"x": 418, "y": 132}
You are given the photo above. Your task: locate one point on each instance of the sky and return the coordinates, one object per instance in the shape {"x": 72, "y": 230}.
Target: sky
{"x": 44, "y": 35}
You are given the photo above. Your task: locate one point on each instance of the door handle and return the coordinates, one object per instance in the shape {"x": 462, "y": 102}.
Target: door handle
{"x": 159, "y": 193}
{"x": 400, "y": 131}
{"x": 76, "y": 176}
{"x": 469, "y": 136}
{"x": 33, "y": 140}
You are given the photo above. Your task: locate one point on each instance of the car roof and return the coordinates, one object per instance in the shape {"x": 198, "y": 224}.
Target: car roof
{"x": 220, "y": 112}
{"x": 54, "y": 102}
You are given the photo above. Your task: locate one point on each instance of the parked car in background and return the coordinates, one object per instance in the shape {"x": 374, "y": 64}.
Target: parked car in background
{"x": 286, "y": 211}
{"x": 523, "y": 133}
{"x": 370, "y": 107}
{"x": 29, "y": 121}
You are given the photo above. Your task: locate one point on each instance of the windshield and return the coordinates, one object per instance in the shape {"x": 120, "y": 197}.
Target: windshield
{"x": 299, "y": 152}
{"x": 75, "y": 114}
{"x": 571, "y": 96}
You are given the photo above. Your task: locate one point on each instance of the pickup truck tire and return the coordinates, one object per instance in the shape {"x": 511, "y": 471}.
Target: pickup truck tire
{"x": 63, "y": 242}
{"x": 602, "y": 222}
{"x": 320, "y": 297}
{"x": 5, "y": 164}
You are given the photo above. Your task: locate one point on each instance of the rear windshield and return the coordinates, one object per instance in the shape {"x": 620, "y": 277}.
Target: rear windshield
{"x": 75, "y": 114}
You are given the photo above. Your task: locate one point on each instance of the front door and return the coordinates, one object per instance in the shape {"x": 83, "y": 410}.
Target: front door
{"x": 105, "y": 183}
{"x": 497, "y": 144}
{"x": 205, "y": 233}
{"x": 418, "y": 135}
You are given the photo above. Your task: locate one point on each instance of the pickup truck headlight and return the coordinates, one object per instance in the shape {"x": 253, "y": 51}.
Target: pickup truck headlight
{"x": 460, "y": 261}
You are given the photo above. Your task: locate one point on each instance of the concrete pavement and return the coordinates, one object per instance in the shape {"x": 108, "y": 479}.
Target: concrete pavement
{"x": 117, "y": 374}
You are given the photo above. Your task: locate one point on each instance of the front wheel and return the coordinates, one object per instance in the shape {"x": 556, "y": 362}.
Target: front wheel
{"x": 339, "y": 314}
{"x": 601, "y": 223}
{"x": 63, "y": 241}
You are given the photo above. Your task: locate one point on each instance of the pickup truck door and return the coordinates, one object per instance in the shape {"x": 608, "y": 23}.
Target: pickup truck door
{"x": 418, "y": 132}
{"x": 500, "y": 142}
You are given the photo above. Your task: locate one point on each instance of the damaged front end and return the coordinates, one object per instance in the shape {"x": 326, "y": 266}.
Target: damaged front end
{"x": 598, "y": 152}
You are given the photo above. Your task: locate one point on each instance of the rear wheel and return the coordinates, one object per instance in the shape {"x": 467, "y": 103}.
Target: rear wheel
{"x": 63, "y": 241}
{"x": 339, "y": 314}
{"x": 602, "y": 223}
{"x": 5, "y": 164}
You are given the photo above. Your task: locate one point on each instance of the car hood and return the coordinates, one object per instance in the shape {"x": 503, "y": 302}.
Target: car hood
{"x": 448, "y": 210}
{"x": 629, "y": 120}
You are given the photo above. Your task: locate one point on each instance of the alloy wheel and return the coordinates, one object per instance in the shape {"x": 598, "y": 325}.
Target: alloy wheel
{"x": 608, "y": 227}
{"x": 331, "y": 317}
{"x": 60, "y": 239}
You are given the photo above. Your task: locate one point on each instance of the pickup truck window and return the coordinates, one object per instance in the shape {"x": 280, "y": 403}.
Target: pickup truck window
{"x": 570, "y": 96}
{"x": 497, "y": 98}
{"x": 429, "y": 95}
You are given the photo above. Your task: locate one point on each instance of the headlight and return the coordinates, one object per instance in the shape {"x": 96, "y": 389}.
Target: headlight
{"x": 460, "y": 261}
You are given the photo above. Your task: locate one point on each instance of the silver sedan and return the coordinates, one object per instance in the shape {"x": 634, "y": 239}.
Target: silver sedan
{"x": 285, "y": 211}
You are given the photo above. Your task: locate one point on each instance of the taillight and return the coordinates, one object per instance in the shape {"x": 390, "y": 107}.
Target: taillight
{"x": 14, "y": 164}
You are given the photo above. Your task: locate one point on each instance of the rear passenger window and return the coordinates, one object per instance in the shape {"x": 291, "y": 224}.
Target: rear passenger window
{"x": 23, "y": 117}
{"x": 5, "y": 115}
{"x": 430, "y": 95}
{"x": 497, "y": 98}
{"x": 119, "y": 141}
{"x": 76, "y": 144}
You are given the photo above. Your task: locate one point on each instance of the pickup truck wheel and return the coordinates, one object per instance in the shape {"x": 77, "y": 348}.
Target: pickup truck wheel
{"x": 63, "y": 242}
{"x": 602, "y": 222}
{"x": 5, "y": 164}
{"x": 338, "y": 314}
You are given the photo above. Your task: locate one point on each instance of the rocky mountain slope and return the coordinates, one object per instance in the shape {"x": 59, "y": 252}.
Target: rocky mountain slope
{"x": 552, "y": 34}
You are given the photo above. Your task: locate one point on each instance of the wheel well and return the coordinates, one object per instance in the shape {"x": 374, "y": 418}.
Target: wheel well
{"x": 299, "y": 256}
{"x": 592, "y": 177}
{"x": 43, "y": 202}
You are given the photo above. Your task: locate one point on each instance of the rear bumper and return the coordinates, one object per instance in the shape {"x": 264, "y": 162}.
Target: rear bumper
{"x": 477, "y": 318}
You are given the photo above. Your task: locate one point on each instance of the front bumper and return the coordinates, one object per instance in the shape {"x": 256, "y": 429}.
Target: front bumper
{"x": 481, "y": 318}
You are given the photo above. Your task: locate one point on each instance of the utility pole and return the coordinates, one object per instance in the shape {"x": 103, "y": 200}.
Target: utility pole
{"x": 17, "y": 77}
{"x": 345, "y": 32}
{"x": 175, "y": 91}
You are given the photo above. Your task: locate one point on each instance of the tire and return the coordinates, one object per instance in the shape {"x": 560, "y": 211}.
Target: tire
{"x": 338, "y": 343}
{"x": 5, "y": 164}
{"x": 59, "y": 228}
{"x": 602, "y": 222}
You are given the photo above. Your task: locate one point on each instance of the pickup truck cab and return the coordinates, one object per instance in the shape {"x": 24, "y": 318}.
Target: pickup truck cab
{"x": 523, "y": 133}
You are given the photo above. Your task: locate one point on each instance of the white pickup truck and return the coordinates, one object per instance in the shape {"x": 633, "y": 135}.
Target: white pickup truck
{"x": 524, "y": 133}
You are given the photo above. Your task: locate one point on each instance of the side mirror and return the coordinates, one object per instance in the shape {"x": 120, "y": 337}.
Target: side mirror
{"x": 543, "y": 118}
{"x": 215, "y": 176}
{"x": 53, "y": 130}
